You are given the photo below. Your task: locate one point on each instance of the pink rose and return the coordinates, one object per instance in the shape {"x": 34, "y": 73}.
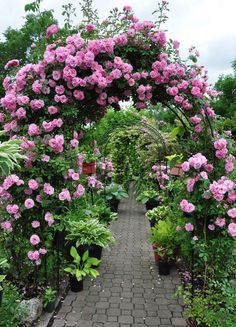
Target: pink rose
{"x": 232, "y": 213}
{"x": 33, "y": 184}
{"x": 187, "y": 206}
{"x": 53, "y": 29}
{"x": 33, "y": 255}
{"x": 33, "y": 130}
{"x": 34, "y": 239}
{"x": 48, "y": 189}
{"x": 211, "y": 227}
{"x": 232, "y": 229}
{"x": 220, "y": 222}
{"x": 29, "y": 203}
{"x": 189, "y": 227}
{"x": 35, "y": 223}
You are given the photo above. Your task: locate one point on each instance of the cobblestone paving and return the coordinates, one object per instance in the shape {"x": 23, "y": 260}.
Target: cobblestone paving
{"x": 128, "y": 292}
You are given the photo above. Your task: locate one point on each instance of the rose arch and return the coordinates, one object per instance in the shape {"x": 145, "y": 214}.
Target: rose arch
{"x": 47, "y": 104}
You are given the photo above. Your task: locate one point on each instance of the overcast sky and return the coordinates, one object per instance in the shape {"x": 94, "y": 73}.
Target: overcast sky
{"x": 207, "y": 24}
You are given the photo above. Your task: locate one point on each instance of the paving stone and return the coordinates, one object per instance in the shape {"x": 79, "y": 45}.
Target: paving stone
{"x": 59, "y": 323}
{"x": 180, "y": 322}
{"x": 125, "y": 319}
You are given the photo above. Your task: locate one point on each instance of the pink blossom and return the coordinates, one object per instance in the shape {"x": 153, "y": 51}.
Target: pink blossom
{"x": 195, "y": 238}
{"x": 12, "y": 209}
{"x": 189, "y": 227}
{"x": 45, "y": 158}
{"x": 211, "y": 227}
{"x": 12, "y": 63}
{"x": 35, "y": 223}
{"x": 33, "y": 255}
{"x": 232, "y": 213}
{"x": 7, "y": 226}
{"x": 187, "y": 206}
{"x": 74, "y": 143}
{"x": 185, "y": 166}
{"x": 42, "y": 251}
{"x": 204, "y": 175}
{"x": 75, "y": 176}
{"x": 220, "y": 222}
{"x": 48, "y": 189}
{"x": 49, "y": 218}
{"x": 232, "y": 229}
{"x": 34, "y": 239}
{"x": 53, "y": 29}
{"x": 64, "y": 195}
{"x": 33, "y": 130}
{"x": 176, "y": 44}
{"x": 33, "y": 184}
{"x": 90, "y": 27}
{"x": 52, "y": 110}
{"x": 220, "y": 144}
{"x": 29, "y": 203}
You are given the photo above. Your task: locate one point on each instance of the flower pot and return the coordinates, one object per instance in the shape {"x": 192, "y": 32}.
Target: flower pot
{"x": 114, "y": 203}
{"x": 151, "y": 204}
{"x": 59, "y": 238}
{"x": 89, "y": 167}
{"x": 156, "y": 255}
{"x": 75, "y": 285}
{"x": 95, "y": 251}
{"x": 164, "y": 268}
{"x": 152, "y": 222}
{"x": 50, "y": 307}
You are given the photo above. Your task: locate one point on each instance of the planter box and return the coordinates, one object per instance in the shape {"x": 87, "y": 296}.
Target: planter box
{"x": 89, "y": 167}
{"x": 94, "y": 250}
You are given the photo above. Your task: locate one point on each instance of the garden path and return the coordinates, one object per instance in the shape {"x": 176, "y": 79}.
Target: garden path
{"x": 128, "y": 292}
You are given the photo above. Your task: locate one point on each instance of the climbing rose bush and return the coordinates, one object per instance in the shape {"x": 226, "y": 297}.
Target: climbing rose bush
{"x": 46, "y": 105}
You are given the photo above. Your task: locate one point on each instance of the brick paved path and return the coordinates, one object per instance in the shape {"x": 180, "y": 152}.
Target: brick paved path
{"x": 128, "y": 292}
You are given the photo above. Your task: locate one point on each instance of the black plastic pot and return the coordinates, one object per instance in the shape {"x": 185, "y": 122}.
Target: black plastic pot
{"x": 59, "y": 238}
{"x": 151, "y": 204}
{"x": 95, "y": 251}
{"x": 164, "y": 268}
{"x": 152, "y": 222}
{"x": 50, "y": 307}
{"x": 114, "y": 203}
{"x": 75, "y": 285}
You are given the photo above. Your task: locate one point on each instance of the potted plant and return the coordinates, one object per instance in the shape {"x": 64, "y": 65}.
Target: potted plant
{"x": 164, "y": 239}
{"x": 113, "y": 193}
{"x": 81, "y": 267}
{"x": 49, "y": 300}
{"x": 149, "y": 198}
{"x": 158, "y": 213}
{"x": 89, "y": 235}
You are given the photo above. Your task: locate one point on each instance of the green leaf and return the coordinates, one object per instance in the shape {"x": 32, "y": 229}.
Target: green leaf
{"x": 85, "y": 256}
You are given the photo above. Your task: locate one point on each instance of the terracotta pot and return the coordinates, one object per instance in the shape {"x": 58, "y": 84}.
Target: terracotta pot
{"x": 156, "y": 255}
{"x": 89, "y": 167}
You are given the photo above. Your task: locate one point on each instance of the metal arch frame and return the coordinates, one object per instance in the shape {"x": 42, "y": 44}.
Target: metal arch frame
{"x": 138, "y": 125}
